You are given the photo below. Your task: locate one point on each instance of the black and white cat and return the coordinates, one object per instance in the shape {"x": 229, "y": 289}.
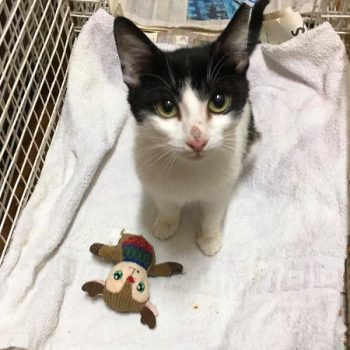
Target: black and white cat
{"x": 194, "y": 121}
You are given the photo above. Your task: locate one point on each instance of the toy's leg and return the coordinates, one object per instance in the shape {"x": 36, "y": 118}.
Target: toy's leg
{"x": 168, "y": 219}
{"x": 210, "y": 237}
{"x": 148, "y": 317}
{"x": 165, "y": 269}
{"x": 108, "y": 252}
{"x": 153, "y": 308}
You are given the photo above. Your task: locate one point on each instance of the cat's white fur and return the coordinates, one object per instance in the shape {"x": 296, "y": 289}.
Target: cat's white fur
{"x": 174, "y": 175}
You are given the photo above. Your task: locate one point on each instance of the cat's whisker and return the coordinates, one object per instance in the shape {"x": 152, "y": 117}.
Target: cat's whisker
{"x": 223, "y": 77}
{"x": 159, "y": 157}
{"x": 169, "y": 162}
{"x": 230, "y": 138}
{"x": 152, "y": 137}
{"x": 153, "y": 158}
{"x": 225, "y": 148}
{"x": 214, "y": 76}
{"x": 221, "y": 61}
{"x": 170, "y": 72}
{"x": 152, "y": 143}
{"x": 174, "y": 159}
{"x": 230, "y": 135}
{"x": 160, "y": 78}
{"x": 209, "y": 67}
{"x": 213, "y": 71}
{"x": 153, "y": 148}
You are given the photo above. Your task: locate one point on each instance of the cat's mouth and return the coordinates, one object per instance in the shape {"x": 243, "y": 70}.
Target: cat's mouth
{"x": 194, "y": 156}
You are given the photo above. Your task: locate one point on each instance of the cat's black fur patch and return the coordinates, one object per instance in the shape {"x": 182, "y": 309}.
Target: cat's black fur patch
{"x": 187, "y": 66}
{"x": 216, "y": 68}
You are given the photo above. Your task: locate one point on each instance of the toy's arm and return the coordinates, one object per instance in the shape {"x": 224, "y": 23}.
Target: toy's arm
{"x": 148, "y": 316}
{"x": 165, "y": 269}
{"x": 109, "y": 252}
{"x": 93, "y": 288}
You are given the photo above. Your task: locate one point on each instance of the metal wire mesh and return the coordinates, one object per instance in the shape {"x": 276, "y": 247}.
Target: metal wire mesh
{"x": 337, "y": 13}
{"x": 81, "y": 10}
{"x": 36, "y": 39}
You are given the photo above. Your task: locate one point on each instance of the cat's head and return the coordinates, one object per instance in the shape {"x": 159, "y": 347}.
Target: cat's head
{"x": 189, "y": 101}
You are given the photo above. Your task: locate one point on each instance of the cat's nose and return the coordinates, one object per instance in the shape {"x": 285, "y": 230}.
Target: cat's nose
{"x": 197, "y": 145}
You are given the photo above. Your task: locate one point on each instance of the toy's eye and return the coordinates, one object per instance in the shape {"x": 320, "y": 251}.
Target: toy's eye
{"x": 219, "y": 103}
{"x": 141, "y": 287}
{"x": 166, "y": 109}
{"x": 118, "y": 275}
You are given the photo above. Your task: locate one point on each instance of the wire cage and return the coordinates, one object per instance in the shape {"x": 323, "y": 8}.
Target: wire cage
{"x": 36, "y": 40}
{"x": 337, "y": 13}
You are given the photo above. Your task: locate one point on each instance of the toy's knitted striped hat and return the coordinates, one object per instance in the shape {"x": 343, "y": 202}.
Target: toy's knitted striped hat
{"x": 136, "y": 249}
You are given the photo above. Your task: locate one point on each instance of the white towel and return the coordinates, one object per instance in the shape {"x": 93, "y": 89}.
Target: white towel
{"x": 276, "y": 283}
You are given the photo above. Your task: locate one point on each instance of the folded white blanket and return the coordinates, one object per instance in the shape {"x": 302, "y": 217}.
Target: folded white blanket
{"x": 276, "y": 283}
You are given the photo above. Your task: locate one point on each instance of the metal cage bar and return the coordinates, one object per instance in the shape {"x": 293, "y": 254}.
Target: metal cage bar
{"x": 337, "y": 13}
{"x": 36, "y": 39}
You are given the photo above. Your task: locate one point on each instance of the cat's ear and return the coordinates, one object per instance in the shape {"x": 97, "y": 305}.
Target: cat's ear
{"x": 136, "y": 52}
{"x": 241, "y": 35}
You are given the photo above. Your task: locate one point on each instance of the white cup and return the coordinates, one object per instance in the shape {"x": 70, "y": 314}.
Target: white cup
{"x": 281, "y": 26}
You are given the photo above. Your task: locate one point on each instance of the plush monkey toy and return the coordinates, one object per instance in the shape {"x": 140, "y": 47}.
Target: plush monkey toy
{"x": 126, "y": 288}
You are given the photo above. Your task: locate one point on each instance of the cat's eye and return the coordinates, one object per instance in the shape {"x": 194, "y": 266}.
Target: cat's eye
{"x": 219, "y": 103}
{"x": 118, "y": 275}
{"x": 166, "y": 109}
{"x": 140, "y": 287}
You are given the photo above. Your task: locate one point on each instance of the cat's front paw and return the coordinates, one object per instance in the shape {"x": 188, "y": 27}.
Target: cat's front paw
{"x": 164, "y": 229}
{"x": 209, "y": 245}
